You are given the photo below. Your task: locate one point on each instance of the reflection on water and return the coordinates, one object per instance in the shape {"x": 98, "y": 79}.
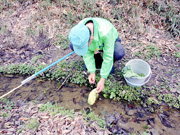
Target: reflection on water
{"x": 75, "y": 97}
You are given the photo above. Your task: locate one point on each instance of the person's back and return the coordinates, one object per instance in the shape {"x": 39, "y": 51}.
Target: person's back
{"x": 91, "y": 37}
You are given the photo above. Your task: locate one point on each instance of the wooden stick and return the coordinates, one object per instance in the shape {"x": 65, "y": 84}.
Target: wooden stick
{"x": 63, "y": 82}
{"x": 11, "y": 91}
{"x": 68, "y": 75}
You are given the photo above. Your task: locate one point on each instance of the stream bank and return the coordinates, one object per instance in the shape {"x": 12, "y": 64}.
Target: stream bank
{"x": 119, "y": 117}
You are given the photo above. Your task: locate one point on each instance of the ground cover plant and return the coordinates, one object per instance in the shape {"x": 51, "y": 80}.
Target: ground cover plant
{"x": 113, "y": 89}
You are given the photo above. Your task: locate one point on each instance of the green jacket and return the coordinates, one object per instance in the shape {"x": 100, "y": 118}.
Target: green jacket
{"x": 105, "y": 36}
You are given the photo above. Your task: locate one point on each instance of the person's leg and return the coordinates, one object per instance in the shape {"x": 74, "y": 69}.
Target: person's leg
{"x": 98, "y": 60}
{"x": 71, "y": 46}
{"x": 119, "y": 51}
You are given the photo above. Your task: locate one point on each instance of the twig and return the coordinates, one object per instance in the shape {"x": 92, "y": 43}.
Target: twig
{"x": 63, "y": 82}
{"x": 67, "y": 76}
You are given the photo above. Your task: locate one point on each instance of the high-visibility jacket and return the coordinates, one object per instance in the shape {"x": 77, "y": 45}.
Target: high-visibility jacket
{"x": 105, "y": 35}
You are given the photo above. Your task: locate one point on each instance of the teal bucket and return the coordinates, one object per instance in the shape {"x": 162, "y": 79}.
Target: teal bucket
{"x": 140, "y": 67}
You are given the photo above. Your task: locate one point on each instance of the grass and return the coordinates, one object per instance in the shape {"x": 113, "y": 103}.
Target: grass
{"x": 8, "y": 105}
{"x": 62, "y": 42}
{"x": 32, "y": 124}
{"x": 91, "y": 116}
{"x": 36, "y": 58}
{"x": 169, "y": 15}
{"x": 125, "y": 12}
{"x": 149, "y": 52}
{"x": 30, "y": 31}
{"x": 3, "y": 114}
{"x": 54, "y": 109}
{"x": 177, "y": 54}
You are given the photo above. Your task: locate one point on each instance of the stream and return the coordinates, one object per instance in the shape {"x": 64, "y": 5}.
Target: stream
{"x": 131, "y": 118}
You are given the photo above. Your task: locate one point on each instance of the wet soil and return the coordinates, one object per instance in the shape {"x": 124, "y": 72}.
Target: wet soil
{"x": 120, "y": 117}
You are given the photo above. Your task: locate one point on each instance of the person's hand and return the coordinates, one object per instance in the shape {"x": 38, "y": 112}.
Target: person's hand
{"x": 100, "y": 85}
{"x": 92, "y": 78}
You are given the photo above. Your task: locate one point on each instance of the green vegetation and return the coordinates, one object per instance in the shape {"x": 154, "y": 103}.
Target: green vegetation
{"x": 7, "y": 104}
{"x": 62, "y": 41}
{"x": 30, "y": 31}
{"x": 146, "y": 127}
{"x": 177, "y": 54}
{"x": 169, "y": 15}
{"x": 4, "y": 114}
{"x": 32, "y": 124}
{"x": 91, "y": 116}
{"x": 145, "y": 133}
{"x": 170, "y": 99}
{"x": 1, "y": 69}
{"x": 149, "y": 52}
{"x": 5, "y": 108}
{"x": 114, "y": 89}
{"x": 20, "y": 130}
{"x": 54, "y": 109}
{"x": 36, "y": 58}
{"x": 165, "y": 15}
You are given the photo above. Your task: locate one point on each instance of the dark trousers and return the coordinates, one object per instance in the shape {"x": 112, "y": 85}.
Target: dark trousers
{"x": 119, "y": 53}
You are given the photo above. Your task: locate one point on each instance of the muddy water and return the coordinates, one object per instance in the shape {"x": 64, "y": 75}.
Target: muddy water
{"x": 131, "y": 118}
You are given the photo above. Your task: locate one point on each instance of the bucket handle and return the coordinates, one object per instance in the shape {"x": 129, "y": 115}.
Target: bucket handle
{"x": 147, "y": 79}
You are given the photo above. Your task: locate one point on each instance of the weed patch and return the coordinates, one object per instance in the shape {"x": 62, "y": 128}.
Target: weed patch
{"x": 91, "y": 116}
{"x": 32, "y": 124}
{"x": 6, "y": 104}
{"x": 54, "y": 109}
{"x": 169, "y": 15}
{"x": 115, "y": 90}
{"x": 149, "y": 52}
{"x": 177, "y": 54}
{"x": 62, "y": 41}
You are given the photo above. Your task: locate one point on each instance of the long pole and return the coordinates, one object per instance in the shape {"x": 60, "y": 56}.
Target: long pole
{"x": 34, "y": 75}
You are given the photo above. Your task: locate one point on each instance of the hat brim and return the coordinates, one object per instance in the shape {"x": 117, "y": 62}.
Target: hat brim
{"x": 81, "y": 51}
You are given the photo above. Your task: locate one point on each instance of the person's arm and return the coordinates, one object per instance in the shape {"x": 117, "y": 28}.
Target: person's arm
{"x": 90, "y": 64}
{"x": 108, "y": 53}
{"x": 92, "y": 78}
{"x": 90, "y": 61}
{"x": 100, "y": 85}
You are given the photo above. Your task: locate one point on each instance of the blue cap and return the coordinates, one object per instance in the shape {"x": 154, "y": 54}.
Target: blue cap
{"x": 79, "y": 37}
